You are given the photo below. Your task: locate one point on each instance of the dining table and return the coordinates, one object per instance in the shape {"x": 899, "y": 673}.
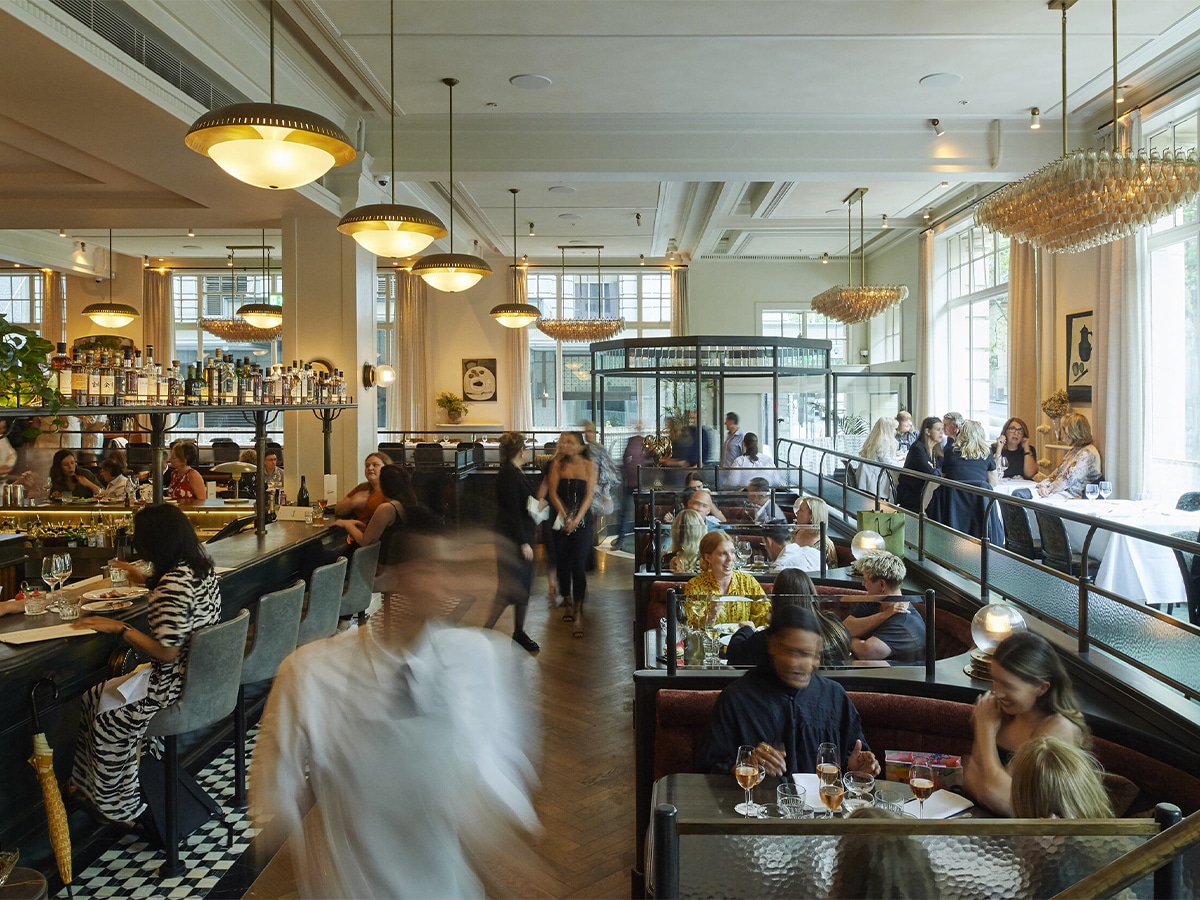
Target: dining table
{"x": 1135, "y": 569}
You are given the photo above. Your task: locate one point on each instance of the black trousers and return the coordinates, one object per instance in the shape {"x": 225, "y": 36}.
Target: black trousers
{"x": 572, "y": 552}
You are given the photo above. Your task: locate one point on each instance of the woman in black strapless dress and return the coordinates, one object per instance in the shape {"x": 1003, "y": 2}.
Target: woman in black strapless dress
{"x": 572, "y": 484}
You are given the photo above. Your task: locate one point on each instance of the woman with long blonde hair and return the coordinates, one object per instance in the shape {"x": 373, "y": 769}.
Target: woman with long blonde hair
{"x": 970, "y": 459}
{"x": 811, "y": 514}
{"x": 880, "y": 446}
{"x": 1080, "y": 466}
{"x": 1054, "y": 779}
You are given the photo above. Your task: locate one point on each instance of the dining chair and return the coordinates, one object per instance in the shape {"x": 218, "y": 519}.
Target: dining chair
{"x": 1189, "y": 501}
{"x": 1018, "y": 536}
{"x": 324, "y": 601}
{"x": 1057, "y": 552}
{"x": 210, "y": 690}
{"x": 1189, "y": 568}
{"x": 276, "y": 626}
{"x": 360, "y": 582}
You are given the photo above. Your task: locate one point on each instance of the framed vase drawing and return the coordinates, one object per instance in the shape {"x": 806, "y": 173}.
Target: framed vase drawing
{"x": 1081, "y": 357}
{"x": 479, "y": 380}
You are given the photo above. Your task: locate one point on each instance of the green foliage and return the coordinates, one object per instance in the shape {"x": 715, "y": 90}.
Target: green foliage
{"x": 451, "y": 403}
{"x": 25, "y": 376}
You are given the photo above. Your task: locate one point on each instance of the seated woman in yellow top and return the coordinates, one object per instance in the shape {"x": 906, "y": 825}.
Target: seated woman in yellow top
{"x": 717, "y": 576}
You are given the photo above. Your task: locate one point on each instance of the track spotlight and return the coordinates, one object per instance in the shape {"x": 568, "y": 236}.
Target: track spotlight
{"x": 936, "y": 125}
{"x": 1035, "y": 118}
{"x": 824, "y": 259}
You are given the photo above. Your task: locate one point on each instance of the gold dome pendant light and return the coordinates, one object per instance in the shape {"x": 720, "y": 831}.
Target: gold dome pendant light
{"x": 1091, "y": 197}
{"x": 265, "y": 314}
{"x": 845, "y": 302}
{"x": 111, "y": 314}
{"x": 451, "y": 272}
{"x": 391, "y": 229}
{"x": 515, "y": 315}
{"x": 269, "y": 145}
{"x": 582, "y": 330}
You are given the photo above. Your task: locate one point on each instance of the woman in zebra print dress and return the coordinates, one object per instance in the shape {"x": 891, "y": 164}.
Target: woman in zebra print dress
{"x": 184, "y": 596}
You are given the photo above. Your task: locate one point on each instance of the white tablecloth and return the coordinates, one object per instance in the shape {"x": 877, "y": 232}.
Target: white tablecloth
{"x": 1138, "y": 570}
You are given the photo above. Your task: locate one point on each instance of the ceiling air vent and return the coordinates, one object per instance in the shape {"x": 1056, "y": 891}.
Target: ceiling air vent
{"x": 150, "y": 48}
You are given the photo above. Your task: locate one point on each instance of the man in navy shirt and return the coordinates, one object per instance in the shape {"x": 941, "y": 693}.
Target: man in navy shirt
{"x": 890, "y": 629}
{"x": 785, "y": 710}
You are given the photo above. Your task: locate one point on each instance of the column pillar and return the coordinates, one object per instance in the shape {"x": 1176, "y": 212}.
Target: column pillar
{"x": 328, "y": 313}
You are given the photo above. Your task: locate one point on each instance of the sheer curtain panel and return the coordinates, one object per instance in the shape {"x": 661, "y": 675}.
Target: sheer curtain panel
{"x": 517, "y": 348}
{"x": 54, "y": 302}
{"x": 680, "y": 324}
{"x": 1024, "y": 398}
{"x": 410, "y": 396}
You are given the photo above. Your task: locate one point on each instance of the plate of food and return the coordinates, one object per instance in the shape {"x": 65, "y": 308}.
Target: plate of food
{"x": 107, "y": 605}
{"x": 115, "y": 593}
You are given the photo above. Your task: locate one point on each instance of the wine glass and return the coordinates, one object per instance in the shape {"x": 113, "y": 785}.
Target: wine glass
{"x": 860, "y": 788}
{"x": 1105, "y": 490}
{"x": 748, "y": 773}
{"x": 920, "y": 779}
{"x": 829, "y": 770}
{"x": 831, "y": 796}
{"x": 741, "y": 550}
{"x": 1092, "y": 491}
{"x": 1003, "y": 463}
{"x": 66, "y": 567}
{"x": 50, "y": 576}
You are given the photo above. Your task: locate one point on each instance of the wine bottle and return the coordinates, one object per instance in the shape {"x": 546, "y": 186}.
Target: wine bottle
{"x": 302, "y": 499}
{"x": 62, "y": 365}
{"x": 193, "y": 388}
{"x": 93, "y": 379}
{"x": 79, "y": 379}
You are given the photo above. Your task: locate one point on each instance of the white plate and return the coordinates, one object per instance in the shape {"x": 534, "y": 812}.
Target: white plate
{"x": 116, "y": 593}
{"x": 107, "y": 605}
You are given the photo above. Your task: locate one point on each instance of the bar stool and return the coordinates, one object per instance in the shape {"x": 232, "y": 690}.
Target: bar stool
{"x": 324, "y": 600}
{"x": 24, "y": 884}
{"x": 360, "y": 583}
{"x": 276, "y": 627}
{"x": 210, "y": 690}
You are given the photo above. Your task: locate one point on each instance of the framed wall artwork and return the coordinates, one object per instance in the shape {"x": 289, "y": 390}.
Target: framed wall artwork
{"x": 479, "y": 380}
{"x": 1081, "y": 361}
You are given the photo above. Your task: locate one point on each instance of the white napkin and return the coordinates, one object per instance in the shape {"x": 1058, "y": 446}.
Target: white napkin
{"x": 941, "y": 804}
{"x": 811, "y": 784}
{"x": 126, "y": 689}
{"x": 49, "y": 633}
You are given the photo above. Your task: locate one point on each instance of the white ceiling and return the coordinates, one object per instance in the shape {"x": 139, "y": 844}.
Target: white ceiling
{"x": 735, "y": 127}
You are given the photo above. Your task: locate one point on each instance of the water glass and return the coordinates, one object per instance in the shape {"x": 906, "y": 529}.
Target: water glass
{"x": 1092, "y": 491}
{"x": 70, "y": 606}
{"x": 1105, "y": 490}
{"x": 790, "y": 797}
{"x": 116, "y": 574}
{"x": 35, "y": 603}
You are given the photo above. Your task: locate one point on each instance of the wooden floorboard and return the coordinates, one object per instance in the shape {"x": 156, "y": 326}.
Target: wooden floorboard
{"x": 585, "y": 796}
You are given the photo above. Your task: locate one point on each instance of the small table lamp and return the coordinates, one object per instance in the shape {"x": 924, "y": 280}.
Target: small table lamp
{"x": 991, "y": 625}
{"x": 867, "y": 542}
{"x": 235, "y": 469}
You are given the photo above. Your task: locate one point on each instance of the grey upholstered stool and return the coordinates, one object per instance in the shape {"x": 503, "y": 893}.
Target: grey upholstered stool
{"x": 210, "y": 690}
{"x": 276, "y": 626}
{"x": 324, "y": 600}
{"x": 360, "y": 583}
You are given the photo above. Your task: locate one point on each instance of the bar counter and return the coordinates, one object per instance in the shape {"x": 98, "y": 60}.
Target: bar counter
{"x": 248, "y": 564}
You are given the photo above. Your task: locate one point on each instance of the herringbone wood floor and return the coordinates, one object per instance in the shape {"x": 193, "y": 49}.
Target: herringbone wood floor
{"x": 585, "y": 800}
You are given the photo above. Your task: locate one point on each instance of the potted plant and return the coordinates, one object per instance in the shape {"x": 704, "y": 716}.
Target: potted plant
{"x": 25, "y": 376}
{"x": 454, "y": 406}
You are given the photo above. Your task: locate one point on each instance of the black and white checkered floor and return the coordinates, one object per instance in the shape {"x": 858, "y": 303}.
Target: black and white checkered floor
{"x": 128, "y": 868}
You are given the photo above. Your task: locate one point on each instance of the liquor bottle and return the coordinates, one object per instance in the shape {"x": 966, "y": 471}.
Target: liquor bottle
{"x": 175, "y": 386}
{"x": 108, "y": 381}
{"x": 228, "y": 372}
{"x": 79, "y": 379}
{"x": 128, "y": 387}
{"x": 147, "y": 381}
{"x": 62, "y": 365}
{"x": 193, "y": 388}
{"x": 302, "y": 494}
{"x": 212, "y": 386}
{"x": 93, "y": 379}
{"x": 294, "y": 383}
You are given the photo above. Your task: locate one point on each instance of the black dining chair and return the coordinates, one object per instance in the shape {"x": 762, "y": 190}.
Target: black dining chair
{"x": 1057, "y": 552}
{"x": 1189, "y": 568}
{"x": 1018, "y": 536}
{"x": 1189, "y": 501}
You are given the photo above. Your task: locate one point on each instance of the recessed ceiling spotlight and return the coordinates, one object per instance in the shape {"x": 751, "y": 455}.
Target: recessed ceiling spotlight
{"x": 530, "y": 82}
{"x": 1035, "y": 118}
{"x": 561, "y": 189}
{"x": 570, "y": 217}
{"x": 940, "y": 79}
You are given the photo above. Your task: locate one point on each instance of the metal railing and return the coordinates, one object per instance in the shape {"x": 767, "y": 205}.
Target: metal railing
{"x": 1162, "y": 646}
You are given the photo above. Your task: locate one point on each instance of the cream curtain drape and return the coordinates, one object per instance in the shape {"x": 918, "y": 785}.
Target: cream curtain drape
{"x": 680, "y": 318}
{"x": 1118, "y": 408}
{"x": 410, "y": 398}
{"x": 926, "y": 399}
{"x": 517, "y": 346}
{"x": 54, "y": 303}
{"x": 1024, "y": 336}
{"x": 157, "y": 322}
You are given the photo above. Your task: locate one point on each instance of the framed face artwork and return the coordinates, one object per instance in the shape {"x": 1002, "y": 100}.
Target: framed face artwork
{"x": 479, "y": 380}
{"x": 1081, "y": 358}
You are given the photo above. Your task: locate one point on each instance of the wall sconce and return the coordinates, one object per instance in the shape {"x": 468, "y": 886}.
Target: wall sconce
{"x": 936, "y": 125}
{"x": 377, "y": 376}
{"x": 1035, "y": 118}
